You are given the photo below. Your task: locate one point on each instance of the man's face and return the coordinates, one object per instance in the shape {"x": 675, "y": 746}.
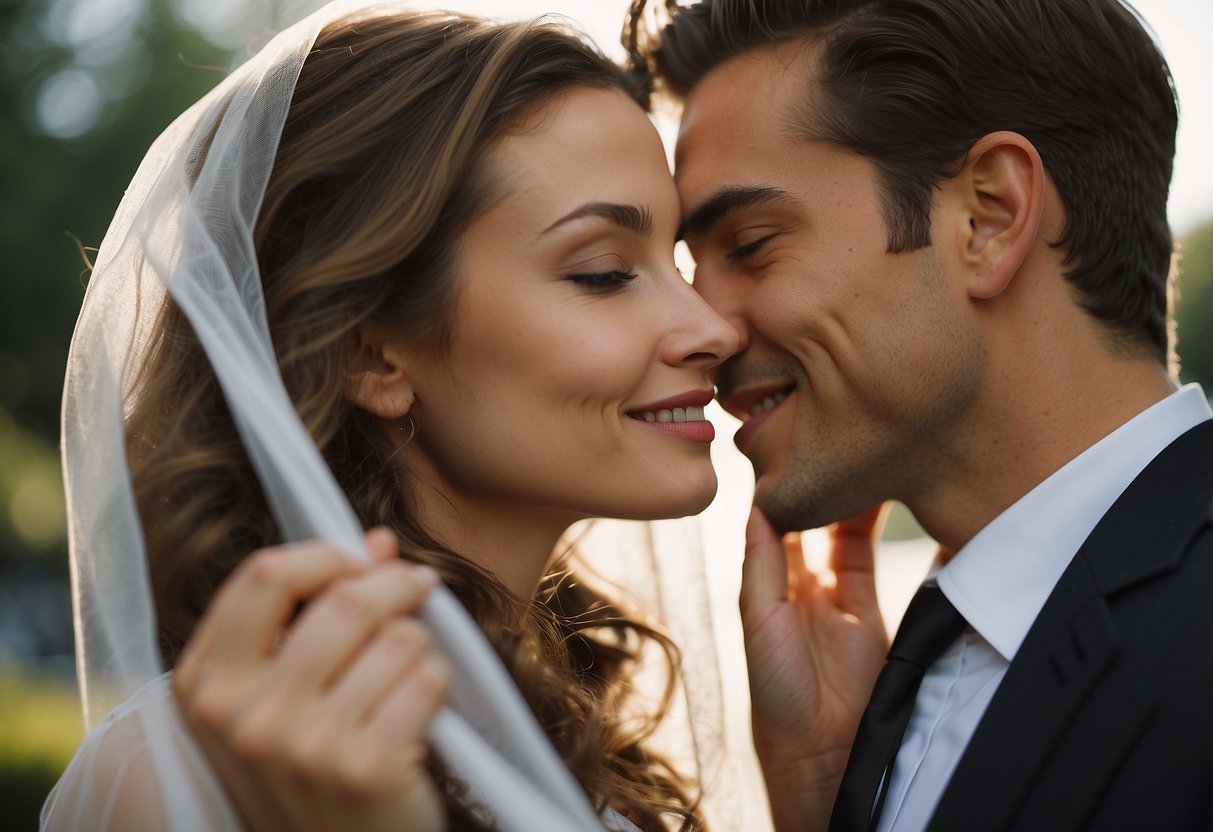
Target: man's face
{"x": 855, "y": 364}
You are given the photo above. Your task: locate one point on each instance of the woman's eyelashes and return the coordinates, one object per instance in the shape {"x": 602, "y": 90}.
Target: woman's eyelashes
{"x": 602, "y": 281}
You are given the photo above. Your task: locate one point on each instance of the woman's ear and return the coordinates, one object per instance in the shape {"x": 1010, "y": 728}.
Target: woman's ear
{"x": 1002, "y": 195}
{"x": 377, "y": 379}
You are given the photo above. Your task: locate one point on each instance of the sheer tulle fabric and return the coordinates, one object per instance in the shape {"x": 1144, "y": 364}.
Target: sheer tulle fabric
{"x": 185, "y": 229}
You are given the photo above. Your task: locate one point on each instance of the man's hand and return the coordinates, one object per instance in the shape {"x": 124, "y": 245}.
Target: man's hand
{"x": 813, "y": 652}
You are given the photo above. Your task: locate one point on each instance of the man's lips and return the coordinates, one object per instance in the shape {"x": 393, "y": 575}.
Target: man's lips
{"x": 755, "y": 400}
{"x": 753, "y": 406}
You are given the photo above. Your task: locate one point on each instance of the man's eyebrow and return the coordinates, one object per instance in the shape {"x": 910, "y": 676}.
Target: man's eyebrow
{"x": 724, "y": 202}
{"x": 629, "y": 217}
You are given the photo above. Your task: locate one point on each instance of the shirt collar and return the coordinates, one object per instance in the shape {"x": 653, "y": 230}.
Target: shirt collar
{"x": 1001, "y": 579}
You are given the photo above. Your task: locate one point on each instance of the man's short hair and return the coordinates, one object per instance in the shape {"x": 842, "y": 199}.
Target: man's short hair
{"x": 912, "y": 84}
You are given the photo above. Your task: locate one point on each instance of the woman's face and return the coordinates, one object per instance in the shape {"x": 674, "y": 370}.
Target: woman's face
{"x": 578, "y": 349}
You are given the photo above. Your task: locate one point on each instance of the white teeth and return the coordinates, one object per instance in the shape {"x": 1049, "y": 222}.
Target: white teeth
{"x": 678, "y": 414}
{"x": 767, "y": 404}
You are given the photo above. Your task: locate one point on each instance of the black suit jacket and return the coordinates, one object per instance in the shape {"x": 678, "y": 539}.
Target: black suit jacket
{"x": 1104, "y": 720}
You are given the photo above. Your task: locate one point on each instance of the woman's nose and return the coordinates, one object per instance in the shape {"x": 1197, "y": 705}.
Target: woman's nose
{"x": 702, "y": 337}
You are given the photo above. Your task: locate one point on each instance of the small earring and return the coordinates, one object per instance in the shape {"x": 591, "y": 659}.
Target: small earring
{"x": 412, "y": 429}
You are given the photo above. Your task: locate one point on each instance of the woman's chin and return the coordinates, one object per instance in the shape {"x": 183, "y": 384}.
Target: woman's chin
{"x": 686, "y": 500}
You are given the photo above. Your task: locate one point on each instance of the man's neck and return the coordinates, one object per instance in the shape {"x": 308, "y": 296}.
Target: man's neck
{"x": 1038, "y": 417}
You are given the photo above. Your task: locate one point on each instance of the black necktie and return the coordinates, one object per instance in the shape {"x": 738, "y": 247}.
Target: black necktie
{"x": 930, "y": 625}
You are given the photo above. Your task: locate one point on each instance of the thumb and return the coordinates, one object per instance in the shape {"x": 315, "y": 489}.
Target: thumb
{"x": 764, "y": 572}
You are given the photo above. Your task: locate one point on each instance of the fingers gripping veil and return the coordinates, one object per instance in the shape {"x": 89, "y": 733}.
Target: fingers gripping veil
{"x": 185, "y": 229}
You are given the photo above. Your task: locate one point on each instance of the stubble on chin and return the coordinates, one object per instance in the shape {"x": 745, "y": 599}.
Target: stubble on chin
{"x": 809, "y": 493}
{"x": 790, "y": 504}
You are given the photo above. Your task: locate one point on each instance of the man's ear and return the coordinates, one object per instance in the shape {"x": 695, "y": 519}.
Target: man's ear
{"x": 1002, "y": 197}
{"x": 377, "y": 379}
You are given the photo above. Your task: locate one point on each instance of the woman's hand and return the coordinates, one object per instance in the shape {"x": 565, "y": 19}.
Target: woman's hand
{"x": 317, "y": 720}
{"x": 813, "y": 651}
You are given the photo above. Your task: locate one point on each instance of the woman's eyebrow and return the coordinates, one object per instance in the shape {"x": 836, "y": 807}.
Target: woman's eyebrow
{"x": 630, "y": 217}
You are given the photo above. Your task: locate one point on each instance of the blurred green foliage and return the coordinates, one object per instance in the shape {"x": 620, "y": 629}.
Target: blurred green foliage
{"x": 85, "y": 86}
{"x": 41, "y": 726}
{"x": 1194, "y": 307}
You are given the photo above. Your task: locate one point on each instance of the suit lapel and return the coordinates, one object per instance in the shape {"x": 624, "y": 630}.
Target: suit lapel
{"x": 1073, "y": 646}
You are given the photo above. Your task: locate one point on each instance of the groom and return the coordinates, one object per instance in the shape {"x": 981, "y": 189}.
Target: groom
{"x": 939, "y": 227}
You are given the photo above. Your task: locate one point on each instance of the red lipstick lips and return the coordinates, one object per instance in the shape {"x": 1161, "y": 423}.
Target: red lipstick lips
{"x": 680, "y": 416}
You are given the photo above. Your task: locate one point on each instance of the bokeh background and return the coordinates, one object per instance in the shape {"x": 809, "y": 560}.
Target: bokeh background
{"x": 86, "y": 85}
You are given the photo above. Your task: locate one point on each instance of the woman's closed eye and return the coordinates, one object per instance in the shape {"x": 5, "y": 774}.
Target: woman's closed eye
{"x": 602, "y": 281}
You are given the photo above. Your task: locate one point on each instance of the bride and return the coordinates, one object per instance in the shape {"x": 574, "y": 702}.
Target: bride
{"x": 439, "y": 252}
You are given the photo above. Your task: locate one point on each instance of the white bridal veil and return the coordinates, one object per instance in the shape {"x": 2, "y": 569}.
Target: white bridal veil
{"x": 185, "y": 229}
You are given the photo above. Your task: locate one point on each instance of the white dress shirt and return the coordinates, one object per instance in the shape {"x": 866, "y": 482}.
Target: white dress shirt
{"x": 1000, "y": 581}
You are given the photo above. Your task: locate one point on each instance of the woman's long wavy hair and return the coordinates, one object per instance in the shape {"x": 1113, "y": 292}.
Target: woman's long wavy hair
{"x": 384, "y": 161}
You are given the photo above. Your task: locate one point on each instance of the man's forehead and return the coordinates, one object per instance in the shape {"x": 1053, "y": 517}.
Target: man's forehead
{"x": 768, "y": 82}
{"x": 773, "y": 68}
{"x": 748, "y": 102}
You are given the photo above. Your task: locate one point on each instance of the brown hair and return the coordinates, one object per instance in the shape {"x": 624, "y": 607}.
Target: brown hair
{"x": 912, "y": 84}
{"x": 381, "y": 166}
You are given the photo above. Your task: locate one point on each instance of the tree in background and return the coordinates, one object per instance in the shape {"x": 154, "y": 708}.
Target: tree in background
{"x": 1194, "y": 307}
{"x": 85, "y": 86}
